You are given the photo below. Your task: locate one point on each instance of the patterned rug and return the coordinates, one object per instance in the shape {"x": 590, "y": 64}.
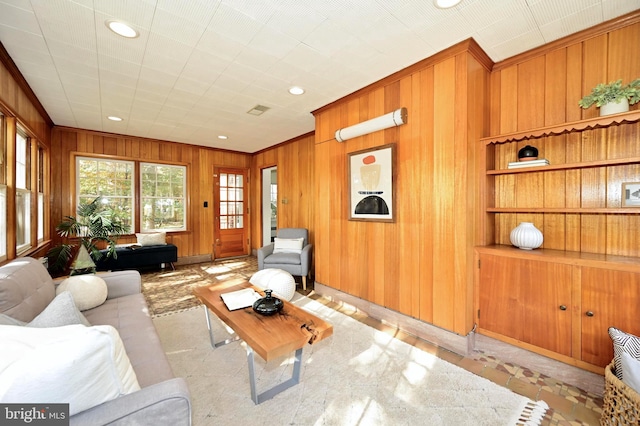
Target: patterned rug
{"x": 169, "y": 291}
{"x": 359, "y": 376}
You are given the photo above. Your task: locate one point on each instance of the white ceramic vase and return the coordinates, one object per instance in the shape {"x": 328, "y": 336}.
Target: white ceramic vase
{"x": 614, "y": 107}
{"x": 526, "y": 236}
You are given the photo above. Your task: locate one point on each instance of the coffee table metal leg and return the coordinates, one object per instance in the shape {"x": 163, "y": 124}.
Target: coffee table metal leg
{"x": 270, "y": 393}
{"x": 213, "y": 342}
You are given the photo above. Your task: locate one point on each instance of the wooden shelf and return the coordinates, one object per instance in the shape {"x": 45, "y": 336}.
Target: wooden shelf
{"x": 621, "y": 263}
{"x": 576, "y": 210}
{"x": 559, "y": 129}
{"x": 568, "y": 166}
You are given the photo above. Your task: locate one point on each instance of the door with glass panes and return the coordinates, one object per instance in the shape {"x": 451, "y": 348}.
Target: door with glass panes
{"x": 231, "y": 235}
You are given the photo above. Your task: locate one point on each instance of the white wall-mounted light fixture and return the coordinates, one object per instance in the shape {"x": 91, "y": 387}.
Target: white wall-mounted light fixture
{"x": 392, "y": 119}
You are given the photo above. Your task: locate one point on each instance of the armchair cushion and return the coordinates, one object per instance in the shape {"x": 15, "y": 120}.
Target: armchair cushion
{"x": 282, "y": 258}
{"x": 288, "y": 245}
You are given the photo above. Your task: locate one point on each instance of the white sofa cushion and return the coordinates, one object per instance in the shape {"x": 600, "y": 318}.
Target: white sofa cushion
{"x": 61, "y": 311}
{"x": 152, "y": 239}
{"x": 82, "y": 366}
{"x": 88, "y": 290}
{"x": 288, "y": 245}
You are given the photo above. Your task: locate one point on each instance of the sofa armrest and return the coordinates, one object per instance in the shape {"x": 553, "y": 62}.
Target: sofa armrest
{"x": 122, "y": 283}
{"x": 264, "y": 252}
{"x": 165, "y": 403}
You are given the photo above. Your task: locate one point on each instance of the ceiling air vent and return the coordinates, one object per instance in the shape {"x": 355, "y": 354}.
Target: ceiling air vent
{"x": 257, "y": 110}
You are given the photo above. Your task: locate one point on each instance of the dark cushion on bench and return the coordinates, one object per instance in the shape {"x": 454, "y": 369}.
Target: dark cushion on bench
{"x": 137, "y": 257}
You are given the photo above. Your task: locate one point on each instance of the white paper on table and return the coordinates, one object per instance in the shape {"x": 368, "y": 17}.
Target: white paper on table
{"x": 240, "y": 298}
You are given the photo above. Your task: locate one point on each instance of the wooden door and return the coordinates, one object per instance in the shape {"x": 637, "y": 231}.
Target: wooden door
{"x": 231, "y": 237}
{"x": 609, "y": 299}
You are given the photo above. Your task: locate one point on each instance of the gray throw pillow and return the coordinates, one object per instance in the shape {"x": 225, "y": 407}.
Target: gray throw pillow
{"x": 7, "y": 320}
{"x": 61, "y": 311}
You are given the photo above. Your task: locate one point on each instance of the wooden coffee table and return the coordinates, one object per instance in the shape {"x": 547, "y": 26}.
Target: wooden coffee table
{"x": 270, "y": 336}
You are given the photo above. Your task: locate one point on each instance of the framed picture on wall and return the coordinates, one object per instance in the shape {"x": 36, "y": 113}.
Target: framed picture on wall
{"x": 372, "y": 184}
{"x": 631, "y": 194}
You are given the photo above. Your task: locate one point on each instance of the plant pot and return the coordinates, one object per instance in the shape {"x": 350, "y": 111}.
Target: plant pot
{"x": 614, "y": 107}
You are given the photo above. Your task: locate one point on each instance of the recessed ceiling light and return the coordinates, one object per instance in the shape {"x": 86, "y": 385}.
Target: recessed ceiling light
{"x": 114, "y": 118}
{"x": 122, "y": 29}
{"x": 445, "y": 4}
{"x": 222, "y": 137}
{"x": 295, "y": 90}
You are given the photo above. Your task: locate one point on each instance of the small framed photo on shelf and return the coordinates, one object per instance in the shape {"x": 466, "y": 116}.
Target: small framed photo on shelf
{"x": 631, "y": 194}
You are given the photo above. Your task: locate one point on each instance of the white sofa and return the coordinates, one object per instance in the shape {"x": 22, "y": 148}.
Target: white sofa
{"x": 26, "y": 289}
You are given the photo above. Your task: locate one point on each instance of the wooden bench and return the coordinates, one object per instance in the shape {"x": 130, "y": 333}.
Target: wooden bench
{"x": 135, "y": 257}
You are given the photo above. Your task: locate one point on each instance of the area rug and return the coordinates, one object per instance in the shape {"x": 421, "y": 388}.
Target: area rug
{"x": 170, "y": 291}
{"x": 358, "y": 376}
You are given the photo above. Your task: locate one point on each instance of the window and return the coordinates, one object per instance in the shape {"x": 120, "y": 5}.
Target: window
{"x": 163, "y": 197}
{"x": 110, "y": 179}
{"x": 23, "y": 192}
{"x": 3, "y": 190}
{"x": 231, "y": 201}
{"x": 40, "y": 194}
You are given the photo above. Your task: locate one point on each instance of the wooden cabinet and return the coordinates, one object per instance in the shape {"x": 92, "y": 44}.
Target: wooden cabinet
{"x": 521, "y": 299}
{"x": 560, "y": 300}
{"x": 557, "y": 304}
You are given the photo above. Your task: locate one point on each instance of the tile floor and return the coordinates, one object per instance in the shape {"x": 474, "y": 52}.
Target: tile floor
{"x": 568, "y": 404}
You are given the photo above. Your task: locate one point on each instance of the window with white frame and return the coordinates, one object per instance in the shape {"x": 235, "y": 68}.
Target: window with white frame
{"x": 23, "y": 192}
{"x": 162, "y": 197}
{"x": 111, "y": 179}
{"x": 3, "y": 190}
{"x": 40, "y": 194}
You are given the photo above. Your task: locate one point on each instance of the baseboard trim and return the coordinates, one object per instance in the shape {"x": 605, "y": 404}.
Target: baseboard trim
{"x": 462, "y": 345}
{"x": 188, "y": 260}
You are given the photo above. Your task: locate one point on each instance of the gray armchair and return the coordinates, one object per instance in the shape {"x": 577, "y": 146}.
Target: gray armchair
{"x": 294, "y": 263}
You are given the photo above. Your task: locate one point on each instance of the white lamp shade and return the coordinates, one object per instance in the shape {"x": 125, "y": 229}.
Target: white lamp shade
{"x": 392, "y": 119}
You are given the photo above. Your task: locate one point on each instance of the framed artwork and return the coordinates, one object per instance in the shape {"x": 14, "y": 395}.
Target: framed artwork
{"x": 631, "y": 194}
{"x": 372, "y": 184}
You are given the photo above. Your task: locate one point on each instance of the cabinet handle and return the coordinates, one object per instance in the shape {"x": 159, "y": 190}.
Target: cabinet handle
{"x": 563, "y": 307}
{"x": 589, "y": 313}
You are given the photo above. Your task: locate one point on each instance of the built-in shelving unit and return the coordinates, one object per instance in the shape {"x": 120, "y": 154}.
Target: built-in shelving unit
{"x": 560, "y": 300}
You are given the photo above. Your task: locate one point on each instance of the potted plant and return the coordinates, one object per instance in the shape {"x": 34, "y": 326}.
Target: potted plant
{"x": 94, "y": 224}
{"x": 613, "y": 98}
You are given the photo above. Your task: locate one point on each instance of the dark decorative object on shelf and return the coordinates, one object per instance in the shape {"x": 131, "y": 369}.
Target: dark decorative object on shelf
{"x": 268, "y": 305}
{"x": 528, "y": 153}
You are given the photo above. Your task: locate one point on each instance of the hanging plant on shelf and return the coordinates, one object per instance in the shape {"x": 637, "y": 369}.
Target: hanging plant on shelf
{"x": 612, "y": 98}
{"x": 94, "y": 224}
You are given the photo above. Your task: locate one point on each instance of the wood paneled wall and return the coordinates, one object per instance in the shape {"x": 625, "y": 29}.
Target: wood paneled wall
{"x": 200, "y": 162}
{"x": 421, "y": 265}
{"x": 296, "y": 170}
{"x": 17, "y": 101}
{"x": 543, "y": 88}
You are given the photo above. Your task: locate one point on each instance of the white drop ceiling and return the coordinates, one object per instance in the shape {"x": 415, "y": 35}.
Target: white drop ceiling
{"x": 198, "y": 66}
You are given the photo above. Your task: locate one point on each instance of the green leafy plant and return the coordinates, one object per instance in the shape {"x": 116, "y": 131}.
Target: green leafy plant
{"x": 612, "y": 92}
{"x": 94, "y": 224}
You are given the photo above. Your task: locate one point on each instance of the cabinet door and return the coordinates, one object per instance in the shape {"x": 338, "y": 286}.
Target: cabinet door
{"x": 609, "y": 299}
{"x": 500, "y": 297}
{"x": 527, "y": 300}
